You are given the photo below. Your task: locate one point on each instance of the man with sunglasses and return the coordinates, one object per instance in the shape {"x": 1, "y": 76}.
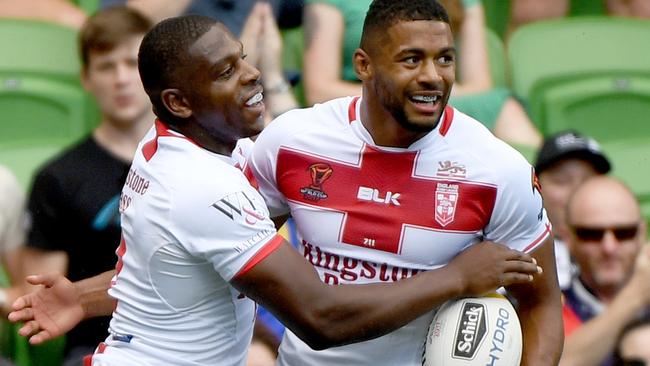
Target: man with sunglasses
{"x": 565, "y": 160}
{"x": 612, "y": 286}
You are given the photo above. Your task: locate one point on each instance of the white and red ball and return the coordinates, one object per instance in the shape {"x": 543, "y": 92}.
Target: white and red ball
{"x": 482, "y": 331}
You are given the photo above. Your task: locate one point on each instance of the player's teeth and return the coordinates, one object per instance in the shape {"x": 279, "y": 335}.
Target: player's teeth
{"x": 425, "y": 99}
{"x": 255, "y": 99}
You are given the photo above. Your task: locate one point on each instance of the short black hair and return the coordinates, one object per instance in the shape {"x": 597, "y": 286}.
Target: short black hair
{"x": 382, "y": 14}
{"x": 162, "y": 53}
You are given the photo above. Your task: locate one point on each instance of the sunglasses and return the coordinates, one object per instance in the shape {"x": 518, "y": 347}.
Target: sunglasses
{"x": 593, "y": 234}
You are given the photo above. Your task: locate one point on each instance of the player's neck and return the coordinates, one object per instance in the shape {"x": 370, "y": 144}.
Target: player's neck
{"x": 383, "y": 127}
{"x": 199, "y": 136}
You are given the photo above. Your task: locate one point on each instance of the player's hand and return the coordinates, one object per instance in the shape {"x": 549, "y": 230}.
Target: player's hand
{"x": 486, "y": 266}
{"x": 48, "y": 312}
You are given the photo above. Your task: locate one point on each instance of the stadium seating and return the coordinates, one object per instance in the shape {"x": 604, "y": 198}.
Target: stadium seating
{"x": 630, "y": 161}
{"x": 293, "y": 47}
{"x": 43, "y": 104}
{"x": 587, "y": 73}
{"x": 497, "y": 59}
{"x": 23, "y": 159}
{"x": 40, "y": 92}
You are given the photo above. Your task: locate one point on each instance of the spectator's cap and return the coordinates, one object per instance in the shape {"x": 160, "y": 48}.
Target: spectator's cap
{"x": 567, "y": 145}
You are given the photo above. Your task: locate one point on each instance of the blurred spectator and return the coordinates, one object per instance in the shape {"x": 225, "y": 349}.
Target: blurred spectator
{"x": 606, "y": 241}
{"x": 12, "y": 235}
{"x": 632, "y": 347}
{"x": 232, "y": 13}
{"x": 254, "y": 23}
{"x": 332, "y": 34}
{"x": 264, "y": 347}
{"x": 62, "y": 12}
{"x": 523, "y": 12}
{"x": 629, "y": 8}
{"x": 74, "y": 199}
{"x": 565, "y": 160}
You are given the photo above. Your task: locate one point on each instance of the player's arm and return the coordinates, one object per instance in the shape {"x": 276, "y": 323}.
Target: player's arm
{"x": 326, "y": 316}
{"x": 60, "y": 305}
{"x": 540, "y": 311}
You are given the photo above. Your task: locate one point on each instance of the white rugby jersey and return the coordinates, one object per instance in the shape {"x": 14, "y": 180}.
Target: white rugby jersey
{"x": 366, "y": 213}
{"x": 190, "y": 223}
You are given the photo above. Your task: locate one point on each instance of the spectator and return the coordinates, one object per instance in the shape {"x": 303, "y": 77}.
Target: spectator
{"x": 524, "y": 12}
{"x": 332, "y": 34}
{"x": 632, "y": 347}
{"x": 62, "y": 12}
{"x": 565, "y": 160}
{"x": 612, "y": 287}
{"x": 74, "y": 200}
{"x": 255, "y": 24}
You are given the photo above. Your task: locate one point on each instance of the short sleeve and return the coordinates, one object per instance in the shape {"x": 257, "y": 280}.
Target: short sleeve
{"x": 12, "y": 212}
{"x": 519, "y": 219}
{"x": 230, "y": 230}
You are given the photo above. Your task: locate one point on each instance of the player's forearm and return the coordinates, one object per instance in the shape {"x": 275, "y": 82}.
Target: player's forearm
{"x": 348, "y": 314}
{"x": 93, "y": 295}
{"x": 542, "y": 330}
{"x": 591, "y": 343}
{"x": 540, "y": 311}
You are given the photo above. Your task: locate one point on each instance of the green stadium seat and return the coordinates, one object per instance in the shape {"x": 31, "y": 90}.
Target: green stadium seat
{"x": 40, "y": 92}
{"x": 606, "y": 55}
{"x": 497, "y": 16}
{"x": 497, "y": 59}
{"x": 293, "y": 46}
{"x": 24, "y": 160}
{"x": 630, "y": 160}
{"x": 607, "y": 108}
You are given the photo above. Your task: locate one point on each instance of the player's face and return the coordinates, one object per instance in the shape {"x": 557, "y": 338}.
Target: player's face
{"x": 558, "y": 181}
{"x": 112, "y": 78}
{"x": 606, "y": 261}
{"x": 225, "y": 92}
{"x": 414, "y": 71}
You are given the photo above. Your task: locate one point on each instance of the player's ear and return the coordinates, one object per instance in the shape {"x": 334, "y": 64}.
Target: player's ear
{"x": 362, "y": 66}
{"x": 175, "y": 103}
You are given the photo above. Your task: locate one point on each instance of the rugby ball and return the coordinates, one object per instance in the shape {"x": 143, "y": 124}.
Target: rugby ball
{"x": 474, "y": 331}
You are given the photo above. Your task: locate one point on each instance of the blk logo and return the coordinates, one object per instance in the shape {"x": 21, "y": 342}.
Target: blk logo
{"x": 373, "y": 195}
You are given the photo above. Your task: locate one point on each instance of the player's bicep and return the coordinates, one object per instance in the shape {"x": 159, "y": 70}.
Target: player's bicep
{"x": 283, "y": 282}
{"x": 544, "y": 286}
{"x": 519, "y": 219}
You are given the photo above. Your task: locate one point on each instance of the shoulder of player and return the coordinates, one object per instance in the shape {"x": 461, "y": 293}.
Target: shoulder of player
{"x": 480, "y": 142}
{"x": 302, "y": 120}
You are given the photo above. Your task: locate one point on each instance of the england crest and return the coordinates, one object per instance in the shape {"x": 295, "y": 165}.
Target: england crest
{"x": 446, "y": 199}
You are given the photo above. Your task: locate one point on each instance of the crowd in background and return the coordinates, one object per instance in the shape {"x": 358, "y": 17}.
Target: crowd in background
{"x": 599, "y": 229}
